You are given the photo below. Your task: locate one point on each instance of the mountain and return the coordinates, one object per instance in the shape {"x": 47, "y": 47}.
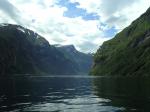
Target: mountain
{"x": 23, "y": 51}
{"x": 82, "y": 61}
{"x": 128, "y": 53}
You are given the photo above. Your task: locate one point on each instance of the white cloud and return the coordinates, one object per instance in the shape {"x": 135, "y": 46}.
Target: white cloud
{"x": 85, "y": 35}
{"x": 89, "y": 5}
{"x": 118, "y": 13}
{"x": 50, "y": 22}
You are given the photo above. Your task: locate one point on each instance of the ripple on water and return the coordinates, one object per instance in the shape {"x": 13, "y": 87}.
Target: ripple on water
{"x": 70, "y": 89}
{"x": 61, "y": 107}
{"x": 80, "y": 104}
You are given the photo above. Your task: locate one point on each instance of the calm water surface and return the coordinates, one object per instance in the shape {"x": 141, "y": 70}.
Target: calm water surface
{"x": 75, "y": 94}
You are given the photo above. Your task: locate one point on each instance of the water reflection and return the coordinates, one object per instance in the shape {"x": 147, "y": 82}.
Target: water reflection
{"x": 51, "y": 94}
{"x": 132, "y": 93}
{"x": 75, "y": 94}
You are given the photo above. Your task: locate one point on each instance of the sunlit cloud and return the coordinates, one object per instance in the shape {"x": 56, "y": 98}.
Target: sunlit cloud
{"x": 84, "y": 23}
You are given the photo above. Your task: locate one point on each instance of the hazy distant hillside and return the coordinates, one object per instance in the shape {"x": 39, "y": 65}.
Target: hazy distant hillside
{"x": 23, "y": 51}
{"x": 82, "y": 61}
{"x": 128, "y": 53}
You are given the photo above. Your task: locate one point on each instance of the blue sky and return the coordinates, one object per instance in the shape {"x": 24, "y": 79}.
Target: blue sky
{"x": 73, "y": 11}
{"x": 83, "y": 23}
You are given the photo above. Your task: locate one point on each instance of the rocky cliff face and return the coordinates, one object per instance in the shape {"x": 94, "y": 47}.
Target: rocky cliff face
{"x": 23, "y": 51}
{"x": 128, "y": 53}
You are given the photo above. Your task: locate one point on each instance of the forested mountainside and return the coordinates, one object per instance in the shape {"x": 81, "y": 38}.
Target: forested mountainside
{"x": 128, "y": 53}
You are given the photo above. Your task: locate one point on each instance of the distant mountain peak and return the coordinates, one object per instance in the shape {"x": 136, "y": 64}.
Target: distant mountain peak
{"x": 20, "y": 29}
{"x": 58, "y": 45}
{"x": 69, "y": 48}
{"x": 23, "y": 51}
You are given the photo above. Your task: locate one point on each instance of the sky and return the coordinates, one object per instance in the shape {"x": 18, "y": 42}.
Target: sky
{"x": 84, "y": 23}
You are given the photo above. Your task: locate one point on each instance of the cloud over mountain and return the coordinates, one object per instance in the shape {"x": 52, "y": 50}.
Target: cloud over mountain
{"x": 84, "y": 23}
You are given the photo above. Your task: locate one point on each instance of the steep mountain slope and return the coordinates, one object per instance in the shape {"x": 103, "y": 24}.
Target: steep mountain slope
{"x": 128, "y": 53}
{"x": 82, "y": 61}
{"x": 24, "y": 52}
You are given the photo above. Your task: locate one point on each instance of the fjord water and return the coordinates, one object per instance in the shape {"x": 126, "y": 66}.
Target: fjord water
{"x": 75, "y": 94}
